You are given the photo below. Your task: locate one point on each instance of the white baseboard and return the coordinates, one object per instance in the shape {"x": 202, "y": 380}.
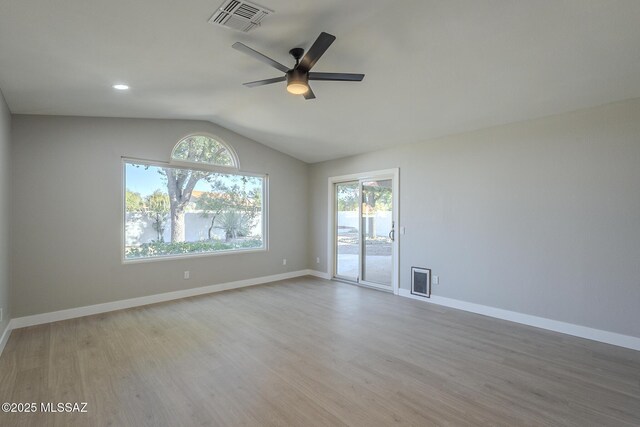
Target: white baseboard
{"x": 5, "y": 337}
{"x": 527, "y": 319}
{"x": 320, "y": 274}
{"x": 38, "y": 319}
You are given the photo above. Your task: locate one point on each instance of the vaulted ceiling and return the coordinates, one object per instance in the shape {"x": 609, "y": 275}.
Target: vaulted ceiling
{"x": 432, "y": 67}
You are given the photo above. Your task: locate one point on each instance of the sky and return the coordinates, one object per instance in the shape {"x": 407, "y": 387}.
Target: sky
{"x": 145, "y": 180}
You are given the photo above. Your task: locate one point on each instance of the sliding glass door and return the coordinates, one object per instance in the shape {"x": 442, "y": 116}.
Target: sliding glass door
{"x": 377, "y": 232}
{"x": 365, "y": 231}
{"x": 347, "y": 230}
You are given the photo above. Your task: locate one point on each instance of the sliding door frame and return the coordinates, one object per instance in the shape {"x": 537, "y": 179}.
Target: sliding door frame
{"x": 394, "y": 173}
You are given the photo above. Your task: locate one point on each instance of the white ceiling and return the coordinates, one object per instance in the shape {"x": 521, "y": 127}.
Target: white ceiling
{"x": 432, "y": 67}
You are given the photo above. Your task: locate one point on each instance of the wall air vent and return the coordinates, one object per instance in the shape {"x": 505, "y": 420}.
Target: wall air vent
{"x": 240, "y": 15}
{"x": 421, "y": 281}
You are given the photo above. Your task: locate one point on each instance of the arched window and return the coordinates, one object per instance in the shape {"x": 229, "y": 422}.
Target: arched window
{"x": 204, "y": 149}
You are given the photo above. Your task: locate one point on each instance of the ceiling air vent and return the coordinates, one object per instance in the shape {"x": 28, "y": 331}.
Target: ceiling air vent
{"x": 240, "y": 15}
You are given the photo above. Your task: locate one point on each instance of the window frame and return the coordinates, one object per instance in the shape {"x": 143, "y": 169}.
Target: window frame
{"x": 200, "y": 167}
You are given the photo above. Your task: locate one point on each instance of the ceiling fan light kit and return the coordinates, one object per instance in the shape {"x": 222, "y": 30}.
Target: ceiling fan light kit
{"x": 297, "y": 82}
{"x": 298, "y": 77}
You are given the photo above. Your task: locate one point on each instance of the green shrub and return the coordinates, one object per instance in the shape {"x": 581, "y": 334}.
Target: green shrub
{"x": 147, "y": 250}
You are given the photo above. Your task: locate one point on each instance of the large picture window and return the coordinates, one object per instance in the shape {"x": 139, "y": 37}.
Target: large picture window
{"x": 179, "y": 211}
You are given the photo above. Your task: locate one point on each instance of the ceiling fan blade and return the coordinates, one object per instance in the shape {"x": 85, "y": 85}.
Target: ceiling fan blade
{"x": 314, "y": 53}
{"x": 340, "y": 77}
{"x": 309, "y": 94}
{"x": 260, "y": 57}
{"x": 265, "y": 82}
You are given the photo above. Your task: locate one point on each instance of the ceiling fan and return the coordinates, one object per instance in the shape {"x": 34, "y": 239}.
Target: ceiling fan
{"x": 298, "y": 77}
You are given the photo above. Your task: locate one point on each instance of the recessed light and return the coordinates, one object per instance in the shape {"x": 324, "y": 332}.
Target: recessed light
{"x": 120, "y": 87}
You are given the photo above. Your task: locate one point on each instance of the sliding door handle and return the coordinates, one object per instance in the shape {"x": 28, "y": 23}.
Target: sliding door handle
{"x": 392, "y": 234}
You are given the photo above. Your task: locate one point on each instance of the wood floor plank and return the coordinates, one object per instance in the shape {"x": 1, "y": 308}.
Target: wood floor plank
{"x": 309, "y": 352}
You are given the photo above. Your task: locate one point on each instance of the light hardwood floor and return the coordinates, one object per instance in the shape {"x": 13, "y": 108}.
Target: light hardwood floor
{"x": 312, "y": 352}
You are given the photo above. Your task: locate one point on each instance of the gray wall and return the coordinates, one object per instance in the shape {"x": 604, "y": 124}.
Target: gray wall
{"x": 5, "y": 149}
{"x": 540, "y": 217}
{"x": 67, "y": 213}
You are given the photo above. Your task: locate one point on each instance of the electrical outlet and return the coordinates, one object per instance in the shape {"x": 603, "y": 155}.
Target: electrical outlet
{"x": 187, "y": 274}
{"x": 284, "y": 261}
{"x": 435, "y": 280}
{"x": 318, "y": 260}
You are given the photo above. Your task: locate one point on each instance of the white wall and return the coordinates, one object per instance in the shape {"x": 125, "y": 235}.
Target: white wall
{"x": 382, "y": 220}
{"x": 67, "y": 223}
{"x": 5, "y": 134}
{"x": 540, "y": 217}
{"x": 196, "y": 228}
